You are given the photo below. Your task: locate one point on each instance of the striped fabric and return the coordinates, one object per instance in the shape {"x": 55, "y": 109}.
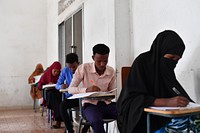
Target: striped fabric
{"x": 189, "y": 124}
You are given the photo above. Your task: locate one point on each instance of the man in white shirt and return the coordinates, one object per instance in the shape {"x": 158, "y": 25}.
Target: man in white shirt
{"x": 96, "y": 76}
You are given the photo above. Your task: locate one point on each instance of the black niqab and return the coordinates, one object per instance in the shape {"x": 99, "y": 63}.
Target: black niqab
{"x": 151, "y": 76}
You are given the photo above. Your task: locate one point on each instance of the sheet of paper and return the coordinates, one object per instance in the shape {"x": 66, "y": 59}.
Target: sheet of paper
{"x": 189, "y": 106}
{"x": 37, "y": 78}
{"x": 82, "y": 95}
{"x": 48, "y": 86}
{"x": 64, "y": 90}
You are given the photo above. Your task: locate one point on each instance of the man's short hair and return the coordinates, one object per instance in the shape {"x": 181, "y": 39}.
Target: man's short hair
{"x": 71, "y": 58}
{"x": 101, "y": 49}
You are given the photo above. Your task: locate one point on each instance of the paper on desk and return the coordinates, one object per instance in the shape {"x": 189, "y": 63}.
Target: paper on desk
{"x": 37, "y": 78}
{"x": 48, "y": 86}
{"x": 96, "y": 93}
{"x": 189, "y": 106}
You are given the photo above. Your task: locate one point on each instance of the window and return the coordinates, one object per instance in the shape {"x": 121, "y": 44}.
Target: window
{"x": 70, "y": 36}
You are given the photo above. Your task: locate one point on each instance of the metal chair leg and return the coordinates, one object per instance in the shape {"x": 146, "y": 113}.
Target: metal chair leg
{"x": 79, "y": 127}
{"x": 50, "y": 117}
{"x": 34, "y": 104}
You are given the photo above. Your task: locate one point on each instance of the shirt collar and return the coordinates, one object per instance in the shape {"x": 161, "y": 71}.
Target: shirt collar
{"x": 93, "y": 70}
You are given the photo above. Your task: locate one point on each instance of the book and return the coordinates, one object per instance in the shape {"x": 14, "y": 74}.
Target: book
{"x": 93, "y": 94}
{"x": 189, "y": 106}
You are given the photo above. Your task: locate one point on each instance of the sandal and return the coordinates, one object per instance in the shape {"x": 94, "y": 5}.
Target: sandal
{"x": 57, "y": 125}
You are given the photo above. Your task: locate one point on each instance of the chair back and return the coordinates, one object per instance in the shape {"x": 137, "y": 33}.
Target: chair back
{"x": 124, "y": 74}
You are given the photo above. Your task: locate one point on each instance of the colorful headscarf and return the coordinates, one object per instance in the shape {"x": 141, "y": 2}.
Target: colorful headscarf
{"x": 38, "y": 70}
{"x": 47, "y": 77}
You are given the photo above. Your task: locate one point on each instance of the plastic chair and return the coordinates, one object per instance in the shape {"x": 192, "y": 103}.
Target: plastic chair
{"x": 124, "y": 74}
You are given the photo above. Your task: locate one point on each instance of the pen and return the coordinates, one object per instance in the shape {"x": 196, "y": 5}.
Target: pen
{"x": 91, "y": 81}
{"x": 176, "y": 91}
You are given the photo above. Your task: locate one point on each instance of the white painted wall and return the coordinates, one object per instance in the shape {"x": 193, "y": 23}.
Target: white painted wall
{"x": 151, "y": 17}
{"x": 23, "y": 45}
{"x": 52, "y": 31}
{"x": 98, "y": 25}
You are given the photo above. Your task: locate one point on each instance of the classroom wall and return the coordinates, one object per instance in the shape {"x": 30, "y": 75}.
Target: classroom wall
{"x": 23, "y": 45}
{"x": 52, "y": 31}
{"x": 151, "y": 17}
{"x": 98, "y": 25}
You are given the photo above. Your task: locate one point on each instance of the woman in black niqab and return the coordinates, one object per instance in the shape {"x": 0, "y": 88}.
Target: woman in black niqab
{"x": 150, "y": 79}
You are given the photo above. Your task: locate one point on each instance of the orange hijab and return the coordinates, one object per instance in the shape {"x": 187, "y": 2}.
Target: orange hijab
{"x": 38, "y": 70}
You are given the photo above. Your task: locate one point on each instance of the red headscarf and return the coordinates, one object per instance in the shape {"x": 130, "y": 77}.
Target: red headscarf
{"x": 47, "y": 77}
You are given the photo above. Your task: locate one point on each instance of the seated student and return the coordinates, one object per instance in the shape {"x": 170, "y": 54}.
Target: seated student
{"x": 54, "y": 97}
{"x": 34, "y": 92}
{"x": 63, "y": 82}
{"x": 103, "y": 79}
{"x": 152, "y": 82}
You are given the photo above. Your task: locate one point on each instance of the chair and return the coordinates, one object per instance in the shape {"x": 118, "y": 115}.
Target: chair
{"x": 83, "y": 121}
{"x": 124, "y": 74}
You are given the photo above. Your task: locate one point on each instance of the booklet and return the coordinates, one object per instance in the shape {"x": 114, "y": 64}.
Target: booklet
{"x": 93, "y": 94}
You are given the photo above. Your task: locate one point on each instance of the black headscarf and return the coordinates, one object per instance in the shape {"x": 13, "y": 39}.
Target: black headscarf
{"x": 151, "y": 76}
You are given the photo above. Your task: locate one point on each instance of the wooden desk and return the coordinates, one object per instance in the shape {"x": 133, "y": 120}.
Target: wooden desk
{"x": 44, "y": 89}
{"x": 169, "y": 114}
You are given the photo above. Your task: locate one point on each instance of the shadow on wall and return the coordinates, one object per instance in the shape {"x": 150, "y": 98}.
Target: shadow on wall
{"x": 196, "y": 74}
{"x": 194, "y": 66}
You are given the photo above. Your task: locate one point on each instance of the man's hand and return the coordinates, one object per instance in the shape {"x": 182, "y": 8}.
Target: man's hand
{"x": 93, "y": 88}
{"x": 64, "y": 86}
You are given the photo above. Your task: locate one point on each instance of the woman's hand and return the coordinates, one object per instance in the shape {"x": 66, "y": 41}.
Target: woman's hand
{"x": 93, "y": 88}
{"x": 178, "y": 101}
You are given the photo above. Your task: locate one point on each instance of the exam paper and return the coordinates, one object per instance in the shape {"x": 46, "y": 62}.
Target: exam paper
{"x": 189, "y": 106}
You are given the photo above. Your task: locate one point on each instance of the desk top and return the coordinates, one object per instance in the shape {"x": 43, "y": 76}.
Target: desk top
{"x": 49, "y": 86}
{"x": 173, "y": 112}
{"x": 91, "y": 95}
{"x": 31, "y": 84}
{"x": 63, "y": 90}
{"x": 100, "y": 97}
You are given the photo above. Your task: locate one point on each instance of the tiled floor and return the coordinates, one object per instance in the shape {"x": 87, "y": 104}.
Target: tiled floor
{"x": 25, "y": 121}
